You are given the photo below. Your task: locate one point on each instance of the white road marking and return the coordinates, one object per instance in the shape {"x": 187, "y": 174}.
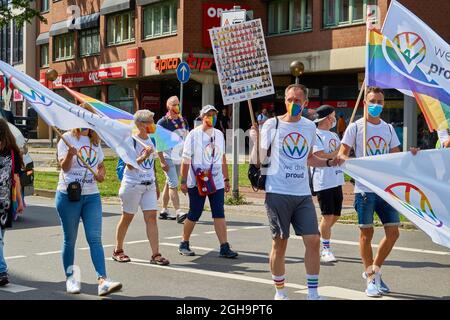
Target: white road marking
{"x": 210, "y": 232}
{"x": 231, "y": 230}
{"x": 15, "y": 288}
{"x": 135, "y": 242}
{"x": 105, "y": 246}
{"x": 47, "y": 253}
{"x": 179, "y": 237}
{"x": 255, "y": 227}
{"x": 15, "y": 257}
{"x": 344, "y": 293}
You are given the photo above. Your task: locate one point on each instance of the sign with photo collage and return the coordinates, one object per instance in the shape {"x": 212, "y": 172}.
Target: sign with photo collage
{"x": 242, "y": 61}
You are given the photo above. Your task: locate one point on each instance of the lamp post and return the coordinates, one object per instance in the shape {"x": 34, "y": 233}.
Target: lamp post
{"x": 297, "y": 68}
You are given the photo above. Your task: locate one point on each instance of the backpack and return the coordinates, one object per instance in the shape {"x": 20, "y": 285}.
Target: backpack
{"x": 120, "y": 168}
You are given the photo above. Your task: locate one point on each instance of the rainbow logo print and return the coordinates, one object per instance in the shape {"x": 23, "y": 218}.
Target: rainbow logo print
{"x": 295, "y": 146}
{"x": 332, "y": 145}
{"x": 376, "y": 145}
{"x": 84, "y": 152}
{"x": 147, "y": 163}
{"x": 414, "y": 200}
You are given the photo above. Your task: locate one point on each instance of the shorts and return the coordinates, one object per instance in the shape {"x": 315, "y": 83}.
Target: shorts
{"x": 197, "y": 204}
{"x": 330, "y": 201}
{"x": 284, "y": 210}
{"x": 173, "y": 174}
{"x": 133, "y": 196}
{"x": 368, "y": 203}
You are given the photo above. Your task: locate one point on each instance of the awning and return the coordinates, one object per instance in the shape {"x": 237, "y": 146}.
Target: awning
{"x": 111, "y": 6}
{"x": 59, "y": 28}
{"x": 43, "y": 38}
{"x": 89, "y": 21}
{"x": 145, "y": 2}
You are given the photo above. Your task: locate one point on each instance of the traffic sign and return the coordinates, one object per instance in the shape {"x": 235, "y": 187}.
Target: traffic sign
{"x": 183, "y": 72}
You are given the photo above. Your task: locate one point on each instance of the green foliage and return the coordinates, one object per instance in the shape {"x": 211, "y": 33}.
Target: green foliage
{"x": 20, "y": 11}
{"x": 240, "y": 200}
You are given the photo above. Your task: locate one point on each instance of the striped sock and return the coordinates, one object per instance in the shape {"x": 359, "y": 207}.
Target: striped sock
{"x": 279, "y": 283}
{"x": 325, "y": 243}
{"x": 313, "y": 283}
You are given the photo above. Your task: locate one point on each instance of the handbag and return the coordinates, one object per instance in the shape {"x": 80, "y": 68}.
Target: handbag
{"x": 255, "y": 175}
{"x": 204, "y": 178}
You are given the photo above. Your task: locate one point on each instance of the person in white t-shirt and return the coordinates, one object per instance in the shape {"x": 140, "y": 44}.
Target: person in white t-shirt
{"x": 262, "y": 117}
{"x": 444, "y": 138}
{"x": 204, "y": 173}
{"x": 139, "y": 188}
{"x": 380, "y": 139}
{"x": 327, "y": 182}
{"x": 290, "y": 138}
{"x": 84, "y": 144}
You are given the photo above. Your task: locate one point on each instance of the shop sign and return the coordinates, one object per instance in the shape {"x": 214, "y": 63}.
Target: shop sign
{"x": 200, "y": 64}
{"x": 167, "y": 64}
{"x": 134, "y": 62}
{"x": 110, "y": 73}
{"x": 75, "y": 80}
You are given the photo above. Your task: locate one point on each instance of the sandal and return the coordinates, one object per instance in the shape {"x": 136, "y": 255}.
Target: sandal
{"x": 161, "y": 261}
{"x": 120, "y": 256}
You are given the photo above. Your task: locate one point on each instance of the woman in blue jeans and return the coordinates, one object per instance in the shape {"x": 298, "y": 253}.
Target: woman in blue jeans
{"x": 85, "y": 144}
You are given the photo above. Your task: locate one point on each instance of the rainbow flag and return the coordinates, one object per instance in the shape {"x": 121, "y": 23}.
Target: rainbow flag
{"x": 385, "y": 69}
{"x": 163, "y": 139}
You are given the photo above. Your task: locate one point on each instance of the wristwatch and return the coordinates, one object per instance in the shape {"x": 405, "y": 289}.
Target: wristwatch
{"x": 183, "y": 181}
{"x": 226, "y": 180}
{"x": 328, "y": 162}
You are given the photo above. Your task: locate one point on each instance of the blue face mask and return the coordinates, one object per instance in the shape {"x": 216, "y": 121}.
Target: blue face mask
{"x": 375, "y": 110}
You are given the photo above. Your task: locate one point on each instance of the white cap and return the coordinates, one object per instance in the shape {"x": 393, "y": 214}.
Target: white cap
{"x": 206, "y": 109}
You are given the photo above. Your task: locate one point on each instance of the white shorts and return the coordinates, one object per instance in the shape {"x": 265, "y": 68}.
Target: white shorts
{"x": 133, "y": 196}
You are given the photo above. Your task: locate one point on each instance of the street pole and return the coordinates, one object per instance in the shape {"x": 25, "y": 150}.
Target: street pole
{"x": 181, "y": 98}
{"x": 235, "y": 152}
{"x": 296, "y": 80}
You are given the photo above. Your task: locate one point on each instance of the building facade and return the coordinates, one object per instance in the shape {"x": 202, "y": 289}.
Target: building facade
{"x": 125, "y": 52}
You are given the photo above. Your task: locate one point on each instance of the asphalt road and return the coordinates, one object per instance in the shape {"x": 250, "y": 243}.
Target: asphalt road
{"x": 416, "y": 268}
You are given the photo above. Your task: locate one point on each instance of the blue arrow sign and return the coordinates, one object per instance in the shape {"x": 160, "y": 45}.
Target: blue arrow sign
{"x": 183, "y": 72}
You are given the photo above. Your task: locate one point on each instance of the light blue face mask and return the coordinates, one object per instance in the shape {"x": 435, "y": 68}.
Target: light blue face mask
{"x": 375, "y": 110}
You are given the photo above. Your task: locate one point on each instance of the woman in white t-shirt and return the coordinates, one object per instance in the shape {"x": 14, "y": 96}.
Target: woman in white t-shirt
{"x": 327, "y": 181}
{"x": 84, "y": 144}
{"x": 139, "y": 188}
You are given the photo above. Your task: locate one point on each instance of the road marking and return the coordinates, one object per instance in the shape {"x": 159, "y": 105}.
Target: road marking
{"x": 179, "y": 237}
{"x": 344, "y": 293}
{"x": 15, "y": 288}
{"x": 213, "y": 273}
{"x": 15, "y": 257}
{"x": 240, "y": 253}
{"x": 105, "y": 246}
{"x": 255, "y": 227}
{"x": 47, "y": 253}
{"x": 135, "y": 242}
{"x": 231, "y": 230}
{"x": 210, "y": 232}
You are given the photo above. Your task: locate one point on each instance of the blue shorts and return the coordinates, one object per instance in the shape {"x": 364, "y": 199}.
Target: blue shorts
{"x": 197, "y": 204}
{"x": 173, "y": 174}
{"x": 370, "y": 203}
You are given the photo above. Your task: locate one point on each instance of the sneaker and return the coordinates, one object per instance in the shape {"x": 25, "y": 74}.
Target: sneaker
{"x": 184, "y": 250}
{"x": 372, "y": 289}
{"x": 226, "y": 252}
{"x": 4, "y": 279}
{"x": 314, "y": 297}
{"x": 280, "y": 297}
{"x": 181, "y": 216}
{"x": 382, "y": 286}
{"x": 72, "y": 285}
{"x": 108, "y": 286}
{"x": 327, "y": 256}
{"x": 165, "y": 215}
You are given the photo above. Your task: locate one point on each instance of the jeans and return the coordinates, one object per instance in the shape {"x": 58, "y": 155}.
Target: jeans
{"x": 3, "y": 266}
{"x": 368, "y": 203}
{"x": 89, "y": 209}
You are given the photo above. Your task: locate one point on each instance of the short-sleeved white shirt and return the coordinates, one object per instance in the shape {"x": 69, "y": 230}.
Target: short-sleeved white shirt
{"x": 146, "y": 170}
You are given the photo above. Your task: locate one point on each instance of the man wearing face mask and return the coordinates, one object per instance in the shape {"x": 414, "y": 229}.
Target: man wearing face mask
{"x": 171, "y": 159}
{"x": 380, "y": 139}
{"x": 290, "y": 139}
{"x": 204, "y": 173}
{"x": 327, "y": 182}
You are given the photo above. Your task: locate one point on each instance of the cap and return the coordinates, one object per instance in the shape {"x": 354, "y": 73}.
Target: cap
{"x": 323, "y": 112}
{"x": 206, "y": 109}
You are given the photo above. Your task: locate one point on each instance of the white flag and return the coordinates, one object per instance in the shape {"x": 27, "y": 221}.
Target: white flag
{"x": 416, "y": 186}
{"x": 58, "y": 112}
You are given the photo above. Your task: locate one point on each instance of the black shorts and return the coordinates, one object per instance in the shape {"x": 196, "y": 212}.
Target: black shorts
{"x": 330, "y": 201}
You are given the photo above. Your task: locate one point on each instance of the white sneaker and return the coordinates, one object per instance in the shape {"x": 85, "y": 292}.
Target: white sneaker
{"x": 108, "y": 286}
{"x": 280, "y": 297}
{"x": 327, "y": 256}
{"x": 314, "y": 297}
{"x": 73, "y": 286}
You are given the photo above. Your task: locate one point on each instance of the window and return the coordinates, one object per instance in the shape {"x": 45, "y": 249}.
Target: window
{"x": 45, "y": 6}
{"x": 121, "y": 97}
{"x": 290, "y": 16}
{"x": 5, "y": 43}
{"x": 44, "y": 55}
{"x": 93, "y": 92}
{"x": 89, "y": 42}
{"x": 17, "y": 44}
{"x": 120, "y": 28}
{"x": 344, "y": 12}
{"x": 160, "y": 19}
{"x": 63, "y": 47}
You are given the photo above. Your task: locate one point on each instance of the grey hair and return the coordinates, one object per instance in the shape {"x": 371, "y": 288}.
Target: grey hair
{"x": 143, "y": 116}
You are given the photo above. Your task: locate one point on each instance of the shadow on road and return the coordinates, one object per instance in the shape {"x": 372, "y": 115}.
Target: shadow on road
{"x": 403, "y": 264}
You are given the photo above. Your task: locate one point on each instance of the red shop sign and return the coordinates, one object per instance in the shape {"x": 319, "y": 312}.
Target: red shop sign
{"x": 199, "y": 63}
{"x": 211, "y": 18}
{"x": 167, "y": 64}
{"x": 134, "y": 62}
{"x": 76, "y": 80}
{"x": 110, "y": 73}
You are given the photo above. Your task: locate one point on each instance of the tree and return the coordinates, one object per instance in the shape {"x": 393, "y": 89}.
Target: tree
{"x": 20, "y": 11}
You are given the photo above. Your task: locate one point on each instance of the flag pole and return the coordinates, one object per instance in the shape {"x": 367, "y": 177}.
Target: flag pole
{"x": 78, "y": 156}
{"x": 363, "y": 86}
